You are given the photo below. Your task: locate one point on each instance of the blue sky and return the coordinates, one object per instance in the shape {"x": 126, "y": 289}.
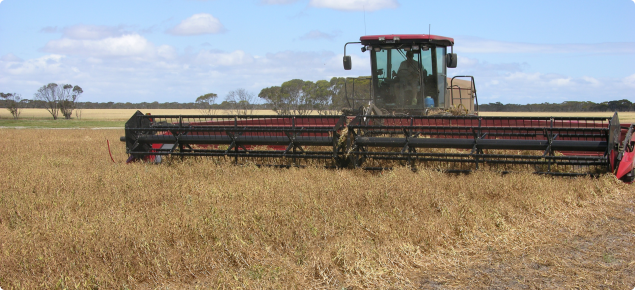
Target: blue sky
{"x": 175, "y": 50}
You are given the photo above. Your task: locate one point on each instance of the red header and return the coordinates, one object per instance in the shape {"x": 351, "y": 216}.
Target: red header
{"x": 410, "y": 37}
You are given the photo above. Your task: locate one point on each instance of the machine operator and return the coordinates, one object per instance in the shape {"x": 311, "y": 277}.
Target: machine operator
{"x": 408, "y": 75}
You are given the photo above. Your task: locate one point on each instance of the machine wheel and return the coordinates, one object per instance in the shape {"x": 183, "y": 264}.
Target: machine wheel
{"x": 629, "y": 177}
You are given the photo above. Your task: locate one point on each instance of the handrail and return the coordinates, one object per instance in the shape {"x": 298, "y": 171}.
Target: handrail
{"x": 473, "y": 87}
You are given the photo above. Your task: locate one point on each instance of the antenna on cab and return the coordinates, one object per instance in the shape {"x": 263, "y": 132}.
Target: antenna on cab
{"x": 364, "y": 7}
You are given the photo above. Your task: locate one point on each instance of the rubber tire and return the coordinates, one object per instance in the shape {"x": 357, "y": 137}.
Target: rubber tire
{"x": 629, "y": 177}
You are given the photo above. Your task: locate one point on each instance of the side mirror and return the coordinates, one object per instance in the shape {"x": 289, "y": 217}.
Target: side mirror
{"x": 347, "y": 62}
{"x": 451, "y": 60}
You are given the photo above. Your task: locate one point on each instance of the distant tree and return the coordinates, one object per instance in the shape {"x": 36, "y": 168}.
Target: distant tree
{"x": 228, "y": 106}
{"x": 323, "y": 97}
{"x": 314, "y": 96}
{"x": 298, "y": 92}
{"x": 356, "y": 90}
{"x": 274, "y": 98}
{"x": 338, "y": 100}
{"x": 345, "y": 90}
{"x": 241, "y": 102}
{"x": 294, "y": 97}
{"x": 13, "y": 103}
{"x": 621, "y": 105}
{"x": 68, "y": 95}
{"x": 49, "y": 95}
{"x": 206, "y": 102}
{"x": 59, "y": 98}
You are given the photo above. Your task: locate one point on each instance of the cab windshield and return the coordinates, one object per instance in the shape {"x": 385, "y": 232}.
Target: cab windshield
{"x": 403, "y": 79}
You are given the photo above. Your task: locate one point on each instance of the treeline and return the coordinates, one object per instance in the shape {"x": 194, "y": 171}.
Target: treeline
{"x": 291, "y": 97}
{"x": 299, "y": 97}
{"x": 35, "y": 104}
{"x": 340, "y": 102}
{"x": 568, "y": 106}
{"x": 54, "y": 98}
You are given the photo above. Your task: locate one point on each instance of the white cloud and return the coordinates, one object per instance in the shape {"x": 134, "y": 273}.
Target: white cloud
{"x": 629, "y": 80}
{"x": 198, "y": 24}
{"x": 121, "y": 46}
{"x": 235, "y": 58}
{"x": 316, "y": 34}
{"x": 91, "y": 32}
{"x": 50, "y": 64}
{"x": 167, "y": 52}
{"x": 355, "y": 5}
{"x": 479, "y": 45}
{"x": 464, "y": 61}
{"x": 471, "y": 65}
{"x": 10, "y": 57}
{"x": 523, "y": 76}
{"x": 561, "y": 82}
{"x": 592, "y": 81}
{"x": 94, "y": 60}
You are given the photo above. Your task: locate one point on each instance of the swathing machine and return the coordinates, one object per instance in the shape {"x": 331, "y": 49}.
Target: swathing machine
{"x": 414, "y": 116}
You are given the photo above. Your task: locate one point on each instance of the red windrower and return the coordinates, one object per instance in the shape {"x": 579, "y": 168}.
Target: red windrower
{"x": 409, "y": 113}
{"x": 560, "y": 146}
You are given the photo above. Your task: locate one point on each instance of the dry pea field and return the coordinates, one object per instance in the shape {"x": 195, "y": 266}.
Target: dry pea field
{"x": 70, "y": 218}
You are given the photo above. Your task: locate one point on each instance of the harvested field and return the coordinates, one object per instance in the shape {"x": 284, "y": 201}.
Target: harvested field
{"x": 71, "y": 218}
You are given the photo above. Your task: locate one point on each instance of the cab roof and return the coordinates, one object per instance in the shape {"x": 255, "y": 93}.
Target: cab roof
{"x": 406, "y": 38}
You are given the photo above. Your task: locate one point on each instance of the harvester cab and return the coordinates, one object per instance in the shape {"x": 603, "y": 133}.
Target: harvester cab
{"x": 409, "y": 76}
